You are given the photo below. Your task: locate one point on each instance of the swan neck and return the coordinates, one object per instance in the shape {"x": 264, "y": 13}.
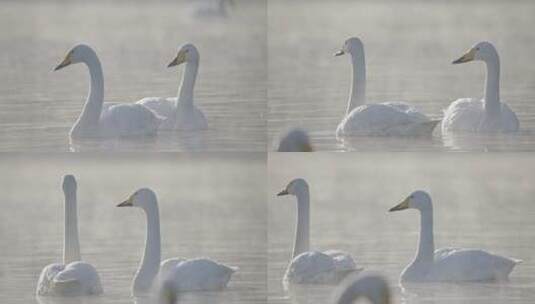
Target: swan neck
{"x": 150, "y": 263}
{"x": 492, "y": 87}
{"x": 426, "y": 245}
{"x": 357, "y": 95}
{"x": 302, "y": 237}
{"x": 90, "y": 115}
{"x": 71, "y": 244}
{"x": 185, "y": 90}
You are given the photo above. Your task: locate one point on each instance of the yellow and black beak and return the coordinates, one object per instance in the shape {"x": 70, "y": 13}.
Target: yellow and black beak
{"x": 469, "y": 56}
{"x": 283, "y": 192}
{"x": 67, "y": 61}
{"x": 401, "y": 206}
{"x": 127, "y": 203}
{"x": 339, "y": 53}
{"x": 180, "y": 58}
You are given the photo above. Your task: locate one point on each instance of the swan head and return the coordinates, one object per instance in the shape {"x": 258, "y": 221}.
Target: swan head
{"x": 353, "y": 46}
{"x": 482, "y": 51}
{"x": 417, "y": 200}
{"x": 295, "y": 187}
{"x": 296, "y": 140}
{"x": 143, "y": 198}
{"x": 371, "y": 286}
{"x": 186, "y": 53}
{"x": 75, "y": 55}
{"x": 69, "y": 184}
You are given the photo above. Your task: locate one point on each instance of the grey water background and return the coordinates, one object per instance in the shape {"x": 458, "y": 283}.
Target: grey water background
{"x": 210, "y": 206}
{"x": 135, "y": 40}
{"x": 409, "y": 48}
{"x": 480, "y": 201}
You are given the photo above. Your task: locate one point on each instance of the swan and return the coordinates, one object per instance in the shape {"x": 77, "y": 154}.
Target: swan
{"x": 212, "y": 8}
{"x": 370, "y": 286}
{"x": 186, "y": 274}
{"x": 111, "y": 119}
{"x": 448, "y": 264}
{"x": 295, "y": 140}
{"x": 381, "y": 119}
{"x": 73, "y": 277}
{"x": 180, "y": 111}
{"x": 488, "y": 115}
{"x": 312, "y": 267}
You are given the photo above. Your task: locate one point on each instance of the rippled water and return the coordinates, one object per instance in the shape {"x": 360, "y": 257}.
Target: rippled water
{"x": 480, "y": 201}
{"x": 135, "y": 42}
{"x": 409, "y": 47}
{"x": 209, "y": 205}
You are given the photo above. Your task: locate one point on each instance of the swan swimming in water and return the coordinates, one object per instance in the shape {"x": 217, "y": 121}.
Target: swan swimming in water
{"x": 448, "y": 264}
{"x": 187, "y": 275}
{"x": 372, "y": 287}
{"x": 380, "y": 119}
{"x": 488, "y": 115}
{"x": 180, "y": 112}
{"x": 111, "y": 119}
{"x": 73, "y": 277}
{"x": 295, "y": 140}
{"x": 312, "y": 267}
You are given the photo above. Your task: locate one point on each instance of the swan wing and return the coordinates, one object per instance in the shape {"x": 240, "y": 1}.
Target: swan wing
{"x": 463, "y": 115}
{"x": 77, "y": 278}
{"x": 459, "y": 264}
{"x": 510, "y": 122}
{"x": 130, "y": 119}
{"x": 315, "y": 267}
{"x": 343, "y": 261}
{"x": 167, "y": 267}
{"x": 163, "y": 106}
{"x": 201, "y": 274}
{"x": 45, "y": 285}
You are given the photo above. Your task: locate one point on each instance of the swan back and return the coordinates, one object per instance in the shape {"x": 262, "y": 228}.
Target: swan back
{"x": 369, "y": 286}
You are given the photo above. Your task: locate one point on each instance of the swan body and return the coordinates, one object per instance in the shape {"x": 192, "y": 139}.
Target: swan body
{"x": 73, "y": 277}
{"x": 312, "y": 267}
{"x": 488, "y": 115}
{"x": 369, "y": 286}
{"x": 448, "y": 264}
{"x": 98, "y": 120}
{"x": 295, "y": 140}
{"x": 180, "y": 112}
{"x": 383, "y": 119}
{"x": 186, "y": 275}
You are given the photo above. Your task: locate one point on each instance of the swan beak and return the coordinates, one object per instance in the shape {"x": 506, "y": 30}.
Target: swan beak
{"x": 127, "y": 203}
{"x": 469, "y": 56}
{"x": 67, "y": 61}
{"x": 339, "y": 53}
{"x": 401, "y": 206}
{"x": 283, "y": 192}
{"x": 180, "y": 58}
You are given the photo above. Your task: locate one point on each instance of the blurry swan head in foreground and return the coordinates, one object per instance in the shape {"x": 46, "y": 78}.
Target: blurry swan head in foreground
{"x": 295, "y": 140}
{"x": 448, "y": 264}
{"x": 487, "y": 115}
{"x": 106, "y": 120}
{"x": 371, "y": 287}
{"x": 376, "y": 119}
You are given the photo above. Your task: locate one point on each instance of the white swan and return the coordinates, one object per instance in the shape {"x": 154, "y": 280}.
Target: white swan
{"x": 372, "y": 287}
{"x": 106, "y": 120}
{"x": 448, "y": 264}
{"x": 488, "y": 115}
{"x": 312, "y": 267}
{"x": 381, "y": 119}
{"x": 188, "y": 275}
{"x": 295, "y": 140}
{"x": 180, "y": 112}
{"x": 73, "y": 277}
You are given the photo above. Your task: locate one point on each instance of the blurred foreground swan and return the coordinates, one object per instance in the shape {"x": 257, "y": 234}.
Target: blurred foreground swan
{"x": 448, "y": 264}
{"x": 380, "y": 119}
{"x": 372, "y": 287}
{"x": 180, "y": 112}
{"x": 111, "y": 119}
{"x": 73, "y": 277}
{"x": 187, "y": 275}
{"x": 312, "y": 267}
{"x": 488, "y": 115}
{"x": 295, "y": 140}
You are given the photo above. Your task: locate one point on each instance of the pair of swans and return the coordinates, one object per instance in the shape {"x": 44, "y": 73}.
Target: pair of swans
{"x": 443, "y": 265}
{"x": 143, "y": 118}
{"x": 488, "y": 115}
{"x": 75, "y": 278}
